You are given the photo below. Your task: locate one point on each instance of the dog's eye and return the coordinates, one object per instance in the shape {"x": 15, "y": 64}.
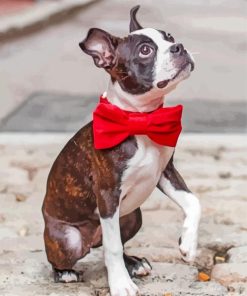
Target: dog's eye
{"x": 145, "y": 51}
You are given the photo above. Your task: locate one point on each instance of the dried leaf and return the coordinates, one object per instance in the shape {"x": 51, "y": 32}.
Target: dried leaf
{"x": 20, "y": 197}
{"x": 203, "y": 277}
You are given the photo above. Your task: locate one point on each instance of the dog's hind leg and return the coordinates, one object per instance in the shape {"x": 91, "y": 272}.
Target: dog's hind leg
{"x": 64, "y": 247}
{"x": 173, "y": 185}
{"x": 130, "y": 225}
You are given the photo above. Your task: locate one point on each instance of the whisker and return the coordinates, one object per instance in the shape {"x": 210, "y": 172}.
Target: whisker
{"x": 195, "y": 52}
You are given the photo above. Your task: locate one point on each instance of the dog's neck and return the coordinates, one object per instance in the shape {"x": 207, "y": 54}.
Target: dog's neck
{"x": 146, "y": 102}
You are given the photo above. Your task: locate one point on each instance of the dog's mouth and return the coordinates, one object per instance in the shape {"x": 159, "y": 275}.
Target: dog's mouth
{"x": 164, "y": 83}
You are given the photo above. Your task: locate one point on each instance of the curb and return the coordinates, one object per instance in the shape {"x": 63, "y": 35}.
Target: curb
{"x": 38, "y": 16}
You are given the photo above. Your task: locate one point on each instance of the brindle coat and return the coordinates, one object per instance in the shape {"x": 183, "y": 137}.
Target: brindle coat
{"x": 84, "y": 181}
{"x": 81, "y": 180}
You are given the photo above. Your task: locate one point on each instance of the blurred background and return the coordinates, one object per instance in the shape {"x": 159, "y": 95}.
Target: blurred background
{"x": 51, "y": 85}
{"x": 48, "y": 89}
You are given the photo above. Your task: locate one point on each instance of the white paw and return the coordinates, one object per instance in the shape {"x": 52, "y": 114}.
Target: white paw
{"x": 188, "y": 246}
{"x": 144, "y": 269}
{"x": 123, "y": 286}
{"x": 141, "y": 271}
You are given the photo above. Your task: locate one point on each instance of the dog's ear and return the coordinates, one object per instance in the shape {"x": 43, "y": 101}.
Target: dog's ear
{"x": 134, "y": 25}
{"x": 101, "y": 46}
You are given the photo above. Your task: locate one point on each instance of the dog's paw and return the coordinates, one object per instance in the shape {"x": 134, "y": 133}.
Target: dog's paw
{"x": 137, "y": 267}
{"x": 124, "y": 286}
{"x": 188, "y": 246}
{"x": 142, "y": 268}
{"x": 65, "y": 276}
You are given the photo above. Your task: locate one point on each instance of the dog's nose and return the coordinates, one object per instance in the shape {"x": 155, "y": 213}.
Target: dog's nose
{"x": 177, "y": 48}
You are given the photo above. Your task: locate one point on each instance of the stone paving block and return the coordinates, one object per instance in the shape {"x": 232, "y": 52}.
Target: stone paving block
{"x": 220, "y": 210}
{"x": 238, "y": 255}
{"x": 153, "y": 236}
{"x": 227, "y": 273}
{"x": 32, "y": 243}
{"x": 221, "y": 236}
{"x": 237, "y": 289}
{"x": 13, "y": 176}
{"x": 162, "y": 217}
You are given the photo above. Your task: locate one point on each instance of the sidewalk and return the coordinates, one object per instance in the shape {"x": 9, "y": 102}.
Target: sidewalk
{"x": 214, "y": 167}
{"x": 18, "y": 17}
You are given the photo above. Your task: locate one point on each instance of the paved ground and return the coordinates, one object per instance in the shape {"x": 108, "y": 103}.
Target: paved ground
{"x": 215, "y": 169}
{"x": 58, "y": 112}
{"x": 52, "y": 61}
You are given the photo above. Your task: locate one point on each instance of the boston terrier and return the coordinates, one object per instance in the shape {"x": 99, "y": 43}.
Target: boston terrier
{"x": 93, "y": 195}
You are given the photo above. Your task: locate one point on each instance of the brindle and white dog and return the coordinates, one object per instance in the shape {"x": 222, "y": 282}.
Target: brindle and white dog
{"x": 94, "y": 196}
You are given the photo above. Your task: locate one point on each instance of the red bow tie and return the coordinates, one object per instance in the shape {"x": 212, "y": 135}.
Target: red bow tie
{"x": 112, "y": 125}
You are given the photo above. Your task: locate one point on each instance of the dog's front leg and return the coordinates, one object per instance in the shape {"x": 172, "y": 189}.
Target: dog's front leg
{"x": 119, "y": 280}
{"x": 173, "y": 185}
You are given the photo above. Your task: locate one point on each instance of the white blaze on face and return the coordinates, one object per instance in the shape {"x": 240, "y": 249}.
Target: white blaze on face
{"x": 165, "y": 67}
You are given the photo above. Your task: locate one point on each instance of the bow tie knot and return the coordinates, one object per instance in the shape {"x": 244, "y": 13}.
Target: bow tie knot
{"x": 112, "y": 125}
{"x": 137, "y": 124}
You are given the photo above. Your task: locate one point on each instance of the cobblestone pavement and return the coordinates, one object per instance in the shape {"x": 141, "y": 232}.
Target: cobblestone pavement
{"x": 214, "y": 168}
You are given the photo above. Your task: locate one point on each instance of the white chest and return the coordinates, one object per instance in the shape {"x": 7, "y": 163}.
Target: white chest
{"x": 143, "y": 172}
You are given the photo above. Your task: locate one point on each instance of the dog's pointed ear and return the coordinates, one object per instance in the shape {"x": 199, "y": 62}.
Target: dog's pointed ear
{"x": 101, "y": 46}
{"x": 134, "y": 25}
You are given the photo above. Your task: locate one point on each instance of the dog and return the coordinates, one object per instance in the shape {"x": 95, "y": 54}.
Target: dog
{"x": 93, "y": 196}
